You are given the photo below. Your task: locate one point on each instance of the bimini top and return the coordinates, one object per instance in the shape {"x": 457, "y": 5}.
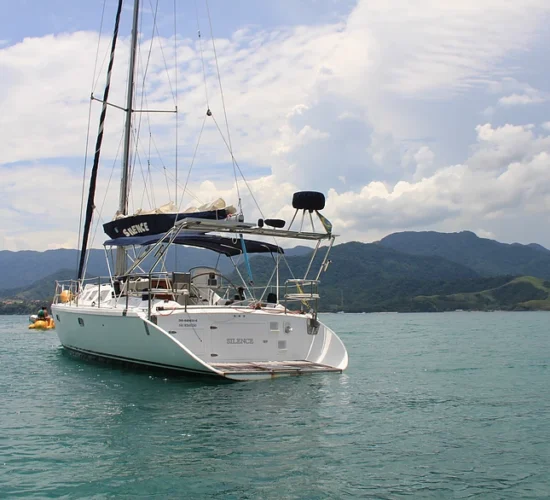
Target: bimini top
{"x": 227, "y": 246}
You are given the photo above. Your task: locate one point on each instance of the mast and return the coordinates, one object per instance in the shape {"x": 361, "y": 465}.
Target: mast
{"x": 120, "y": 267}
{"x": 93, "y": 179}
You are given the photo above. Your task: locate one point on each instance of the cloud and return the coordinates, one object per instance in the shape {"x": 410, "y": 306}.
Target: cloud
{"x": 520, "y": 99}
{"x": 441, "y": 48}
{"x": 424, "y": 158}
{"x": 517, "y": 186}
{"x": 380, "y": 110}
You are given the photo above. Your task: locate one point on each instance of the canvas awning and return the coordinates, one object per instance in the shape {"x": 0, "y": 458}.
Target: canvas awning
{"x": 227, "y": 246}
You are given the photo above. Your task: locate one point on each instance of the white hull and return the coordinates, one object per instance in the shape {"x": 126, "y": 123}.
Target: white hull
{"x": 238, "y": 343}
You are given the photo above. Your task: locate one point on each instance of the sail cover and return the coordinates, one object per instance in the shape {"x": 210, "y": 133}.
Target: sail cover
{"x": 156, "y": 223}
{"x": 227, "y": 246}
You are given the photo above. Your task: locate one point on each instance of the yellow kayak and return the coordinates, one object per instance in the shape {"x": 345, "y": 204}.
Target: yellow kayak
{"x": 42, "y": 324}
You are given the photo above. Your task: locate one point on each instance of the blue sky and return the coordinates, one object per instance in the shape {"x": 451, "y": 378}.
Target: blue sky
{"x": 37, "y": 18}
{"x": 424, "y": 116}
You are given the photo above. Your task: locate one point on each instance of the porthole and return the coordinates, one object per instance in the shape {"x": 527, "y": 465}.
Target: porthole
{"x": 80, "y": 321}
{"x": 57, "y": 318}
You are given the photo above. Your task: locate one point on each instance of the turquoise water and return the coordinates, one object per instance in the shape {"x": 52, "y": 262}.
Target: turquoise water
{"x": 450, "y": 405}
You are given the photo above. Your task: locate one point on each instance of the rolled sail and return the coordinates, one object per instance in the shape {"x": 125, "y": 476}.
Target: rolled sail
{"x": 162, "y": 219}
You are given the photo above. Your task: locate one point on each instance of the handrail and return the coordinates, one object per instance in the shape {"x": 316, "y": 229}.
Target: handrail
{"x": 162, "y": 282}
{"x": 301, "y": 295}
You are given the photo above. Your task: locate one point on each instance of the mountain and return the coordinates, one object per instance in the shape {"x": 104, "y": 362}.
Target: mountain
{"x": 363, "y": 277}
{"x": 520, "y": 294}
{"x": 21, "y": 269}
{"x": 485, "y": 256}
{"x": 366, "y": 263}
{"x": 298, "y": 250}
{"x": 367, "y": 275}
{"x": 535, "y": 246}
{"x": 25, "y": 268}
{"x": 42, "y": 289}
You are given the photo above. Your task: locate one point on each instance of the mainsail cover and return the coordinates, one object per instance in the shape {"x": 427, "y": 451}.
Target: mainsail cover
{"x": 162, "y": 219}
{"x": 148, "y": 224}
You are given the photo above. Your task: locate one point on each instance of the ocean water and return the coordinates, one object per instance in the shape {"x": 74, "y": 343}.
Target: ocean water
{"x": 450, "y": 405}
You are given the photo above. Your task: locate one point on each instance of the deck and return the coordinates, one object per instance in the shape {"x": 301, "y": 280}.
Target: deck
{"x": 269, "y": 369}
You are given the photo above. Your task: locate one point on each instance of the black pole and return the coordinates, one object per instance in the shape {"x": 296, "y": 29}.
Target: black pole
{"x": 93, "y": 178}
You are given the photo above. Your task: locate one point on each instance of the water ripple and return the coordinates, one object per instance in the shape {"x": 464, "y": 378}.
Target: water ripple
{"x": 429, "y": 408}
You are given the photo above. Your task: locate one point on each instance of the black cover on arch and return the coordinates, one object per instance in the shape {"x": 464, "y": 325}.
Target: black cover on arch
{"x": 147, "y": 224}
{"x": 227, "y": 246}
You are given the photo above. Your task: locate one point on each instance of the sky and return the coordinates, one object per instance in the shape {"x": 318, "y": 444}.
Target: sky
{"x": 419, "y": 115}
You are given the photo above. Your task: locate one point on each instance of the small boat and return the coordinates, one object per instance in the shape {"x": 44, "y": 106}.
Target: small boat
{"x": 37, "y": 323}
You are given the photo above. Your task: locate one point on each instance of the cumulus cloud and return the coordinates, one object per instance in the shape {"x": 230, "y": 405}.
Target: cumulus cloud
{"x": 519, "y": 187}
{"x": 519, "y": 99}
{"x": 424, "y": 158}
{"x": 364, "y": 109}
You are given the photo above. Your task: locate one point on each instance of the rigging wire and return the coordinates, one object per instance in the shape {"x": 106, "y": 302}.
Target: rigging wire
{"x": 144, "y": 177}
{"x": 82, "y": 195}
{"x": 235, "y": 163}
{"x": 137, "y": 131}
{"x": 193, "y": 160}
{"x": 148, "y": 186}
{"x": 224, "y": 109}
{"x": 88, "y": 133}
{"x": 176, "y": 97}
{"x": 202, "y": 56}
{"x": 185, "y": 189}
{"x": 164, "y": 170}
{"x": 251, "y": 193}
{"x": 93, "y": 179}
{"x": 148, "y": 169}
{"x": 97, "y": 73}
{"x": 150, "y": 173}
{"x": 155, "y": 28}
{"x": 99, "y": 213}
{"x": 228, "y": 140}
{"x": 145, "y": 70}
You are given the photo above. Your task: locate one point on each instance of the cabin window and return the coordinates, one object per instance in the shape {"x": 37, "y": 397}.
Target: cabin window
{"x": 80, "y": 321}
{"x": 281, "y": 344}
{"x": 57, "y": 318}
{"x": 274, "y": 326}
{"x": 105, "y": 294}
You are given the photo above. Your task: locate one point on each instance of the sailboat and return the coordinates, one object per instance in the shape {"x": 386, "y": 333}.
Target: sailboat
{"x": 198, "y": 320}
